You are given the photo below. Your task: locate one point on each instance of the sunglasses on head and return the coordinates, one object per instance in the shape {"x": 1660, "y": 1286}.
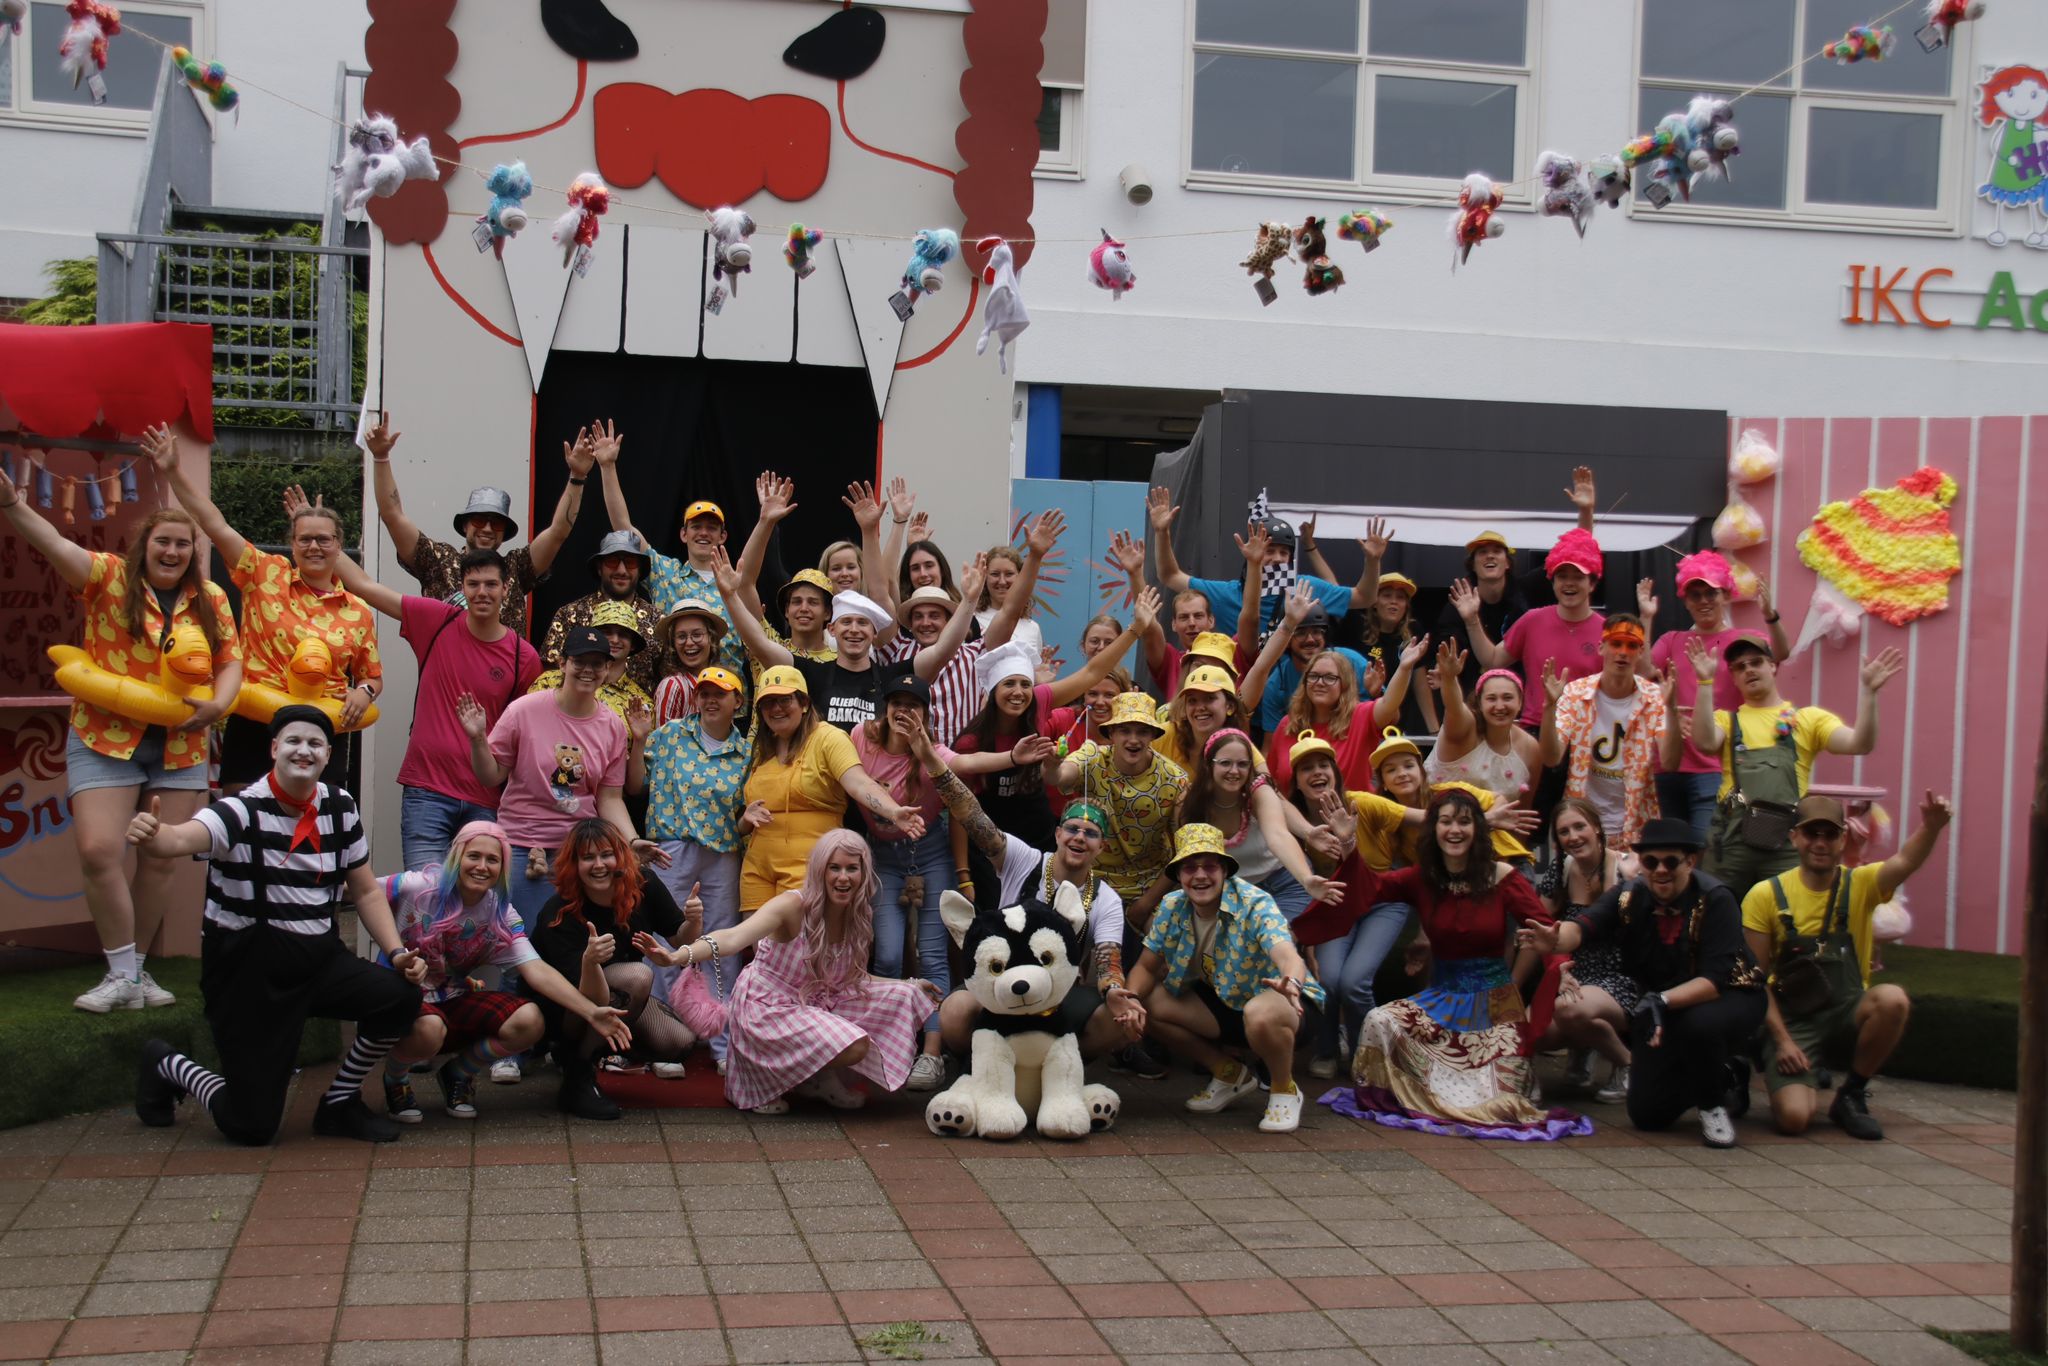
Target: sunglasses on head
{"x": 1821, "y": 830}
{"x": 1658, "y": 863}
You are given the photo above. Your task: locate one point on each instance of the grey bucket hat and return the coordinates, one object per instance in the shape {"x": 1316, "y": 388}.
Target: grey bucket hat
{"x": 622, "y": 543}
{"x": 489, "y": 502}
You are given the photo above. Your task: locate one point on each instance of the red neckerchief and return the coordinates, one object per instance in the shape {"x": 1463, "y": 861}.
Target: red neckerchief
{"x": 307, "y": 829}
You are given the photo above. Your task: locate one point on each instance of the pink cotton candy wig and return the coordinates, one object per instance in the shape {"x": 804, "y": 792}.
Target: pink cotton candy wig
{"x": 1708, "y": 567}
{"x": 1575, "y": 547}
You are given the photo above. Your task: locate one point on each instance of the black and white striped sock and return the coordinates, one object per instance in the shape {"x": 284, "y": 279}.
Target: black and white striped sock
{"x": 189, "y": 1077}
{"x": 363, "y": 1057}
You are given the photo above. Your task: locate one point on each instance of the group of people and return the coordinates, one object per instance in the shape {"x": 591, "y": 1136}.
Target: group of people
{"x": 685, "y": 817}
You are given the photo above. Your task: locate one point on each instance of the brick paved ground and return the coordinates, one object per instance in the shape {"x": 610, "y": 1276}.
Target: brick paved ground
{"x": 702, "y": 1236}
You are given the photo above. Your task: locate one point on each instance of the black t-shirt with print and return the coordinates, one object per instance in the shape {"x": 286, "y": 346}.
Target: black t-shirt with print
{"x": 842, "y": 696}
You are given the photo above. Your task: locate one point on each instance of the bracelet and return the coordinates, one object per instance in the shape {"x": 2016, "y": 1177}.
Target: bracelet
{"x": 579, "y": 483}
{"x": 900, "y": 521}
{"x": 1772, "y": 619}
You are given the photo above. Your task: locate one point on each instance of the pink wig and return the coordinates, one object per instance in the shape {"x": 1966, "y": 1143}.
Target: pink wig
{"x": 826, "y": 971}
{"x": 1575, "y": 547}
{"x": 1709, "y": 567}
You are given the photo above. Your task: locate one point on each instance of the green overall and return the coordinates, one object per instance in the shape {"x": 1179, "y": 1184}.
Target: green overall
{"x": 1770, "y": 774}
{"x": 1826, "y": 1035}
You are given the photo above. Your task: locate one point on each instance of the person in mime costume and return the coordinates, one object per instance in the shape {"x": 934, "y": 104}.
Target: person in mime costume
{"x": 284, "y": 852}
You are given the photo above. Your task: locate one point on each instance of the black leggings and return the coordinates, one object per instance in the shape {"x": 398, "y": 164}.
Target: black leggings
{"x": 1690, "y": 1067}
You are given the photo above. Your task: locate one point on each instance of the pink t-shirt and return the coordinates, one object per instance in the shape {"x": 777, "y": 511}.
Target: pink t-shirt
{"x": 1668, "y": 652}
{"x": 452, "y": 661}
{"x": 556, "y": 765}
{"x": 1540, "y": 637}
{"x": 893, "y": 771}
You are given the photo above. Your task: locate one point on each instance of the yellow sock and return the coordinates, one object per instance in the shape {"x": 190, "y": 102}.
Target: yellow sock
{"x": 1289, "y": 1089}
{"x": 1227, "y": 1070}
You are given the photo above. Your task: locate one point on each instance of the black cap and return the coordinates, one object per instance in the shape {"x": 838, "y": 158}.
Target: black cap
{"x": 1318, "y": 618}
{"x": 1666, "y": 832}
{"x": 1279, "y": 531}
{"x": 299, "y": 711}
{"x": 585, "y": 640}
{"x": 907, "y": 684}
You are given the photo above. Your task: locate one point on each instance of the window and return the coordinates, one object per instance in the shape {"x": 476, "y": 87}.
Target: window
{"x": 1822, "y": 144}
{"x": 36, "y": 90}
{"x": 1381, "y": 95}
{"x": 1059, "y": 132}
{"x": 1062, "y": 75}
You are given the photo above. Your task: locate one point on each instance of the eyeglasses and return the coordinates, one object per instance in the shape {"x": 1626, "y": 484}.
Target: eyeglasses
{"x": 322, "y": 542}
{"x": 1324, "y": 680}
{"x": 1661, "y": 863}
{"x": 1076, "y": 829}
{"x": 1821, "y": 830}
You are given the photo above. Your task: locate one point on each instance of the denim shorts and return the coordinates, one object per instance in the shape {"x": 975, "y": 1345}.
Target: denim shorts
{"x": 86, "y": 768}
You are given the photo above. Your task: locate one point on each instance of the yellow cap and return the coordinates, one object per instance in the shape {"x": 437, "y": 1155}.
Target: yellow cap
{"x": 781, "y": 681}
{"x": 1208, "y": 678}
{"x": 1217, "y": 646}
{"x": 805, "y": 578}
{"x": 1393, "y": 743}
{"x": 703, "y": 507}
{"x": 1401, "y": 581}
{"x": 1132, "y": 709}
{"x": 1488, "y": 538}
{"x": 722, "y": 678}
{"x": 1309, "y": 743}
{"x": 1191, "y": 840}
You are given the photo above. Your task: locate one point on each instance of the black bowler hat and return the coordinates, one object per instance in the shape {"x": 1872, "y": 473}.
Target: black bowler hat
{"x": 1668, "y": 833}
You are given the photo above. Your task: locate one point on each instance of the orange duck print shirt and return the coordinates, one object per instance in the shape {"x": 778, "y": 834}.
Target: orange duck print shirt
{"x": 107, "y": 644}
{"x": 279, "y": 608}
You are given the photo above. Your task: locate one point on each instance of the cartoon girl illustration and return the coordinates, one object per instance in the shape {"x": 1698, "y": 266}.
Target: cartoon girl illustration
{"x": 2017, "y": 96}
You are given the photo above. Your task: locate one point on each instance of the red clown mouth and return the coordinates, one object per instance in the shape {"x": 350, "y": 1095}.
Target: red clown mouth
{"x": 712, "y": 147}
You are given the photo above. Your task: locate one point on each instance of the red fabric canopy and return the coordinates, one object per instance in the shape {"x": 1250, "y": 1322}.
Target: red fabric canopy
{"x": 63, "y": 381}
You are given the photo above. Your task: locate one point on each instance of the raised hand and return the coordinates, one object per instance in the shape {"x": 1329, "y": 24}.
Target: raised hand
{"x": 580, "y": 456}
{"x": 971, "y": 579}
{"x": 1646, "y": 599}
{"x": 639, "y": 721}
{"x": 142, "y": 829}
{"x": 1581, "y": 493}
{"x": 605, "y": 442}
{"x": 1704, "y": 661}
{"x": 381, "y": 438}
{"x": 724, "y": 574}
{"x": 295, "y": 502}
{"x": 1935, "y": 812}
{"x": 1881, "y": 670}
{"x": 1465, "y": 600}
{"x": 773, "y": 493}
{"x": 1553, "y": 682}
{"x": 161, "y": 446}
{"x": 902, "y": 502}
{"x": 1127, "y": 553}
{"x": 1305, "y": 535}
{"x": 920, "y": 526}
{"x": 1160, "y": 509}
{"x": 1513, "y": 817}
{"x": 1375, "y": 681}
{"x": 1252, "y": 545}
{"x": 1378, "y": 536}
{"x": 1413, "y": 652}
{"x": 860, "y": 500}
{"x": 1295, "y": 609}
{"x": 469, "y": 714}
{"x": 1145, "y": 611}
{"x": 1336, "y": 814}
{"x": 1763, "y": 596}
{"x": 1045, "y": 532}
{"x": 1450, "y": 661}
{"x": 1048, "y": 663}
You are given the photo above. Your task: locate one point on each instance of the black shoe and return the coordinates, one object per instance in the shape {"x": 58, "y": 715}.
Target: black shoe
{"x": 352, "y": 1119}
{"x": 1851, "y": 1114}
{"x": 156, "y": 1100}
{"x": 1133, "y": 1058}
{"x": 1738, "y": 1089}
{"x": 580, "y": 1097}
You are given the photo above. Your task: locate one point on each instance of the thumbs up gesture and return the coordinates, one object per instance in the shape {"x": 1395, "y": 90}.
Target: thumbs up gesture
{"x": 143, "y": 828}
{"x": 600, "y": 948}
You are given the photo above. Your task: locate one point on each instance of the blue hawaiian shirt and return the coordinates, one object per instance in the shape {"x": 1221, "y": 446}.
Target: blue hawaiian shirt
{"x": 673, "y": 580}
{"x": 1252, "y": 925}
{"x": 692, "y": 793}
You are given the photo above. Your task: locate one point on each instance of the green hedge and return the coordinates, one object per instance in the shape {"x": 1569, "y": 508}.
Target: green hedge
{"x": 249, "y": 489}
{"x": 62, "y": 1061}
{"x": 1965, "y": 1028}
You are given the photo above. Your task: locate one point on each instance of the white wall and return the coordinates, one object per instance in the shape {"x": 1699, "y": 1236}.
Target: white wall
{"x": 1645, "y": 308}
{"x": 64, "y": 185}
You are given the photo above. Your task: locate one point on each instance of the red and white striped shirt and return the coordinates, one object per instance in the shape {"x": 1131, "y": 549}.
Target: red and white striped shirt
{"x": 956, "y": 695}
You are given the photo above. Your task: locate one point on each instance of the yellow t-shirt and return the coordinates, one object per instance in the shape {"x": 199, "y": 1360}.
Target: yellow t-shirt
{"x": 1811, "y": 727}
{"x": 1809, "y": 908}
{"x": 1381, "y": 821}
{"x": 1505, "y": 845}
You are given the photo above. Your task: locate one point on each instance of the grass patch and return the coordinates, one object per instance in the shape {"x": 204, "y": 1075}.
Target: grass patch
{"x": 1966, "y": 1016}
{"x": 899, "y": 1341}
{"x": 1994, "y": 1348}
{"x": 62, "y": 1060}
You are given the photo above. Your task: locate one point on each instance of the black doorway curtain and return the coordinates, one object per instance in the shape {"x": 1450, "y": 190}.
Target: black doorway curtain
{"x": 693, "y": 429}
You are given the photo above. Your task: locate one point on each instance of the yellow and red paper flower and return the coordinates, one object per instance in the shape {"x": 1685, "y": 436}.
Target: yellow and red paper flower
{"x": 1890, "y": 550}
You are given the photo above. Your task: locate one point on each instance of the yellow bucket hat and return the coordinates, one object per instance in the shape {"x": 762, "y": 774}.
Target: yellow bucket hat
{"x": 620, "y": 615}
{"x": 1130, "y": 709}
{"x": 1191, "y": 840}
{"x": 1217, "y": 646}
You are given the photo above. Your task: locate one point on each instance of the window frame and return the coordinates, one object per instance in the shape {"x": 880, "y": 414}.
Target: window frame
{"x": 1065, "y": 162}
{"x": 29, "y": 112}
{"x": 1525, "y": 80}
{"x": 1949, "y": 216}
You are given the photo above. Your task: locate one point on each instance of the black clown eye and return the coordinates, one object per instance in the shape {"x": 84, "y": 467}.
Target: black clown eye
{"x": 842, "y": 47}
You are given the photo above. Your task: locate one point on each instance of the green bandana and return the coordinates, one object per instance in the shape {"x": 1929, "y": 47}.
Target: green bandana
{"x": 1087, "y": 811}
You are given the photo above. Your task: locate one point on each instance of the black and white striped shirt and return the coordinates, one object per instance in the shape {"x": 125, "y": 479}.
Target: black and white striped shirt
{"x": 302, "y": 887}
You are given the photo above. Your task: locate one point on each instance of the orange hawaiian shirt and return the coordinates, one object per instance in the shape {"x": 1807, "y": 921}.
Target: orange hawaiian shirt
{"x": 1577, "y": 719}
{"x": 279, "y": 608}
{"x": 107, "y": 643}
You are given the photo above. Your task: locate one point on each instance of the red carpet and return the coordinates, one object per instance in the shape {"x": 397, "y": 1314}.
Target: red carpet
{"x": 701, "y": 1088}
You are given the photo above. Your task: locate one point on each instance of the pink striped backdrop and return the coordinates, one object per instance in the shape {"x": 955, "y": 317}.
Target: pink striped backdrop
{"x": 1965, "y": 717}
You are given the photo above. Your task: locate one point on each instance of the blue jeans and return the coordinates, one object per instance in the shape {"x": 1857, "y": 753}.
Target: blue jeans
{"x": 716, "y": 877}
{"x": 1689, "y": 797}
{"x": 1347, "y": 966}
{"x": 427, "y": 822}
{"x": 1290, "y": 896}
{"x": 895, "y": 861}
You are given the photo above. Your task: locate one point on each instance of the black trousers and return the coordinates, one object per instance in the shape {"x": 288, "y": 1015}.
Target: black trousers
{"x": 1690, "y": 1067}
{"x": 261, "y": 984}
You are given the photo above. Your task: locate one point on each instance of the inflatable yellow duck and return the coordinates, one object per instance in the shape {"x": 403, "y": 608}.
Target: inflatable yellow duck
{"x": 307, "y": 676}
{"x": 184, "y": 674}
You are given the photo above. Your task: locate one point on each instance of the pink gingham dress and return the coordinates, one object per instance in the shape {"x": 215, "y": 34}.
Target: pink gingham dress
{"x": 778, "y": 1041}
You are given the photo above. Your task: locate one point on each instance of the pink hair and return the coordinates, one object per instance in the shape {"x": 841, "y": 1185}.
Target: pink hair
{"x": 2002, "y": 80}
{"x": 1575, "y": 547}
{"x": 850, "y": 967}
{"x": 1710, "y": 566}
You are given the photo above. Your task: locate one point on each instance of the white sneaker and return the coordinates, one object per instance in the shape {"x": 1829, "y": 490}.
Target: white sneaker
{"x": 153, "y": 995}
{"x": 114, "y": 992}
{"x": 721, "y": 1067}
{"x": 1716, "y": 1128}
{"x": 928, "y": 1073}
{"x": 1283, "y": 1113}
{"x": 831, "y": 1087}
{"x": 1615, "y": 1092}
{"x": 669, "y": 1071}
{"x": 1578, "y": 1072}
{"x": 1323, "y": 1068}
{"x": 1218, "y": 1094}
{"x": 505, "y": 1071}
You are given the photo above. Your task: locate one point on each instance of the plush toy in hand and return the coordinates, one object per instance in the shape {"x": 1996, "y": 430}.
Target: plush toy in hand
{"x": 1004, "y": 315}
{"x": 576, "y": 230}
{"x": 1610, "y": 180}
{"x": 506, "y": 217}
{"x": 1474, "y": 221}
{"x": 1365, "y": 227}
{"x": 925, "y": 272}
{"x": 1269, "y": 250}
{"x": 377, "y": 163}
{"x": 1864, "y": 42}
{"x": 798, "y": 247}
{"x": 1026, "y": 1060}
{"x": 1109, "y": 267}
{"x": 1566, "y": 192}
{"x": 1942, "y": 18}
{"x": 1321, "y": 275}
{"x": 208, "y": 78}
{"x": 83, "y": 53}
{"x": 732, "y": 254}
